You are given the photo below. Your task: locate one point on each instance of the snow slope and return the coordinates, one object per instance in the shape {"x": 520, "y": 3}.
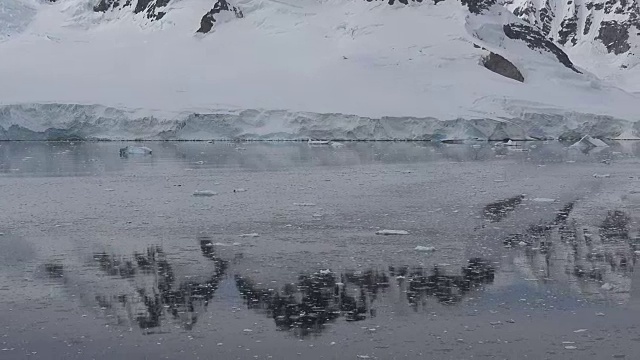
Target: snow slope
{"x": 121, "y": 74}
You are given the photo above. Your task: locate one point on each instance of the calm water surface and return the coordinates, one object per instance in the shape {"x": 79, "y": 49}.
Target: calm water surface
{"x": 508, "y": 253}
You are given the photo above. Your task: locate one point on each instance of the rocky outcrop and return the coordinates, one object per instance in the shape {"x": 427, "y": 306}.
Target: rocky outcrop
{"x": 151, "y": 8}
{"x": 535, "y": 40}
{"x": 209, "y": 19}
{"x": 614, "y": 36}
{"x": 609, "y": 22}
{"x": 502, "y": 66}
{"x": 478, "y": 6}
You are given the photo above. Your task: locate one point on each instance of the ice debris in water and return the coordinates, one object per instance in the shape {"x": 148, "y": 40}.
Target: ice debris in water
{"x": 425, "y": 248}
{"x": 607, "y": 287}
{"x": 250, "y": 235}
{"x": 601, "y": 176}
{"x": 543, "y": 200}
{"x": 579, "y": 330}
{"x": 138, "y": 150}
{"x": 392, "y": 232}
{"x": 204, "y": 193}
{"x": 304, "y": 204}
{"x": 239, "y": 190}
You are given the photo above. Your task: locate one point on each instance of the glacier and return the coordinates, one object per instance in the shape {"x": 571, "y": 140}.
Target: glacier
{"x": 292, "y": 70}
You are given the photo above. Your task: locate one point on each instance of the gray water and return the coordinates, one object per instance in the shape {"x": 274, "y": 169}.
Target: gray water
{"x": 511, "y": 252}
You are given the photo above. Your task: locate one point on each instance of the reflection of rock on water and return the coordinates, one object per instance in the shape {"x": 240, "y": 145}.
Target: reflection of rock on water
{"x": 314, "y": 300}
{"x": 142, "y": 289}
{"x": 595, "y": 261}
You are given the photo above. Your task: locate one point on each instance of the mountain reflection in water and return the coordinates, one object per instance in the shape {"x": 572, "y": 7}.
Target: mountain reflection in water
{"x": 151, "y": 294}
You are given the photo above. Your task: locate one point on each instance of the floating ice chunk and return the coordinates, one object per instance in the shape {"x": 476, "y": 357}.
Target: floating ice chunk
{"x": 135, "y": 150}
{"x": 607, "y": 287}
{"x": 570, "y": 347}
{"x": 254, "y": 235}
{"x": 304, "y": 204}
{"x": 247, "y": 330}
{"x": 425, "y": 248}
{"x": 204, "y": 193}
{"x": 543, "y": 200}
{"x": 319, "y": 142}
{"x": 199, "y": 162}
{"x": 325, "y": 272}
{"x": 337, "y": 144}
{"x": 579, "y": 331}
{"x": 239, "y": 190}
{"x": 392, "y": 232}
{"x": 589, "y": 142}
{"x": 601, "y": 176}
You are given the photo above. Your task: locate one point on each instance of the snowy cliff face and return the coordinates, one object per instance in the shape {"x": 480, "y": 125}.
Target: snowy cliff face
{"x": 346, "y": 66}
{"x": 604, "y": 35}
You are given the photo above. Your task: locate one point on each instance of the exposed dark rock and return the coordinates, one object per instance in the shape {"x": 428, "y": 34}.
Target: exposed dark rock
{"x": 615, "y": 36}
{"x": 105, "y": 5}
{"x": 150, "y": 7}
{"x": 207, "y": 21}
{"x": 569, "y": 29}
{"x": 502, "y": 66}
{"x": 587, "y": 24}
{"x": 546, "y": 17}
{"x": 478, "y": 6}
{"x": 536, "y": 41}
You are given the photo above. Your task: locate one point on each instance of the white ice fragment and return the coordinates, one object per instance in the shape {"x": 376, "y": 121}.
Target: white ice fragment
{"x": 543, "y": 200}
{"x": 599, "y": 314}
{"x": 304, "y": 204}
{"x": 199, "y": 162}
{"x": 336, "y": 144}
{"x": 589, "y": 142}
{"x": 579, "y": 330}
{"x": 601, "y": 176}
{"x": 204, "y": 193}
{"x": 254, "y": 235}
{"x": 522, "y": 243}
{"x": 607, "y": 287}
{"x": 325, "y": 272}
{"x": 138, "y": 150}
{"x": 109, "y": 189}
{"x": 392, "y": 232}
{"x": 319, "y": 142}
{"x": 570, "y": 347}
{"x": 363, "y": 356}
{"x": 247, "y": 330}
{"x": 239, "y": 190}
{"x": 425, "y": 248}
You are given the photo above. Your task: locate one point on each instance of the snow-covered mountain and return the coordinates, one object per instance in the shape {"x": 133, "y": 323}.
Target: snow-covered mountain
{"x": 317, "y": 68}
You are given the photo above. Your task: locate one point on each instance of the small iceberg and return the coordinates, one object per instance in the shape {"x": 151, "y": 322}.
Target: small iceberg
{"x": 601, "y": 176}
{"x": 204, "y": 193}
{"x": 392, "y": 232}
{"x": 588, "y": 141}
{"x": 135, "y": 150}
{"x": 251, "y": 235}
{"x": 304, "y": 204}
{"x": 425, "y": 248}
{"x": 319, "y": 142}
{"x": 543, "y": 200}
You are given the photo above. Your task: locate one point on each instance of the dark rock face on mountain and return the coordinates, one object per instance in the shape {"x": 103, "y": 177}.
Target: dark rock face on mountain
{"x": 610, "y": 22}
{"x": 536, "y": 41}
{"x": 207, "y": 21}
{"x": 614, "y": 36}
{"x": 478, "y": 6}
{"x": 149, "y": 7}
{"x": 502, "y": 66}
